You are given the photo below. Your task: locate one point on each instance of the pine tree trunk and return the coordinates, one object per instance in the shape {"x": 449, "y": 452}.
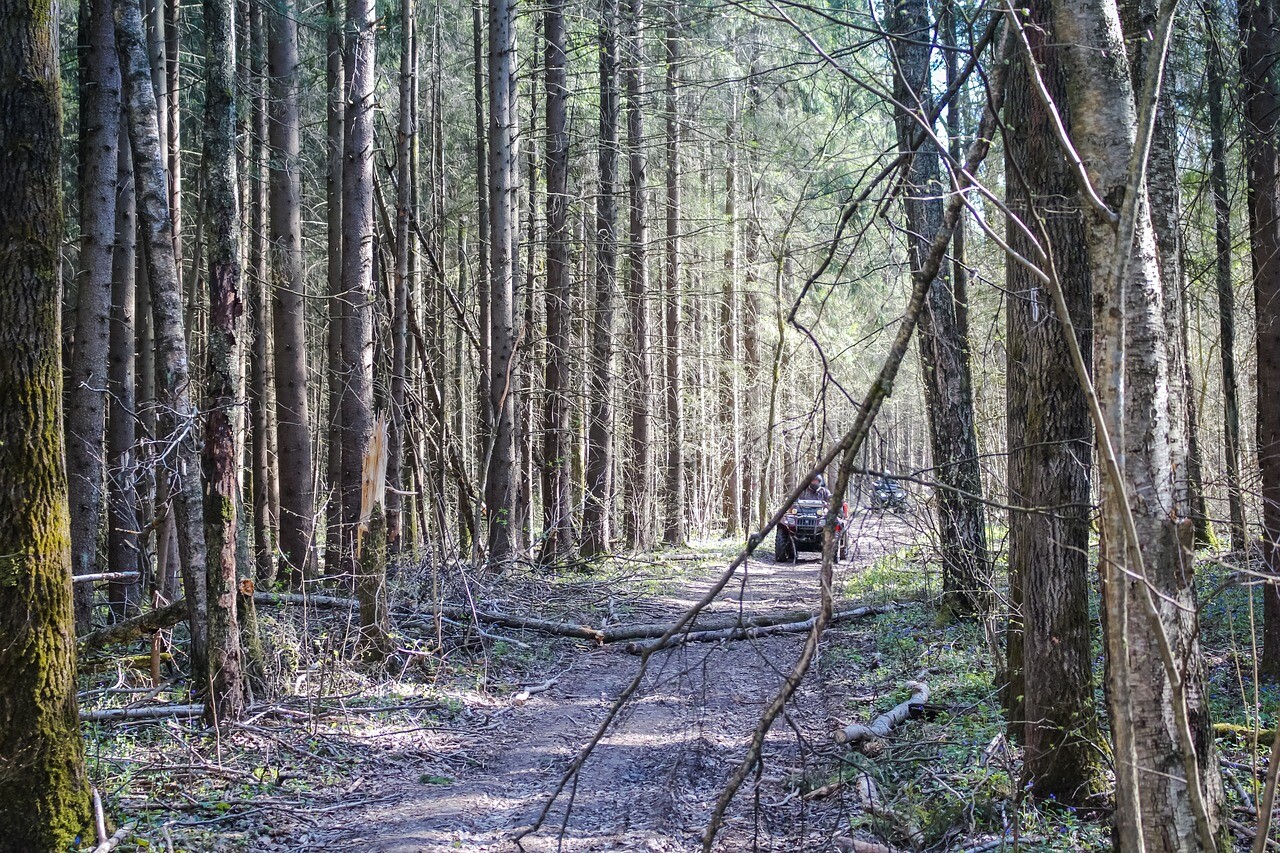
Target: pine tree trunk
{"x": 404, "y": 282}
{"x": 1169, "y": 793}
{"x": 483, "y": 238}
{"x": 261, "y": 450}
{"x": 501, "y": 474}
{"x": 1260, "y": 40}
{"x": 226, "y": 698}
{"x": 122, "y": 456}
{"x": 638, "y": 492}
{"x": 288, "y": 291}
{"x": 335, "y": 121}
{"x": 730, "y": 322}
{"x": 44, "y": 796}
{"x": 597, "y": 501}
{"x": 674, "y": 498}
{"x": 177, "y": 423}
{"x": 1216, "y": 80}
{"x": 1049, "y": 698}
{"x": 86, "y": 400}
{"x": 557, "y": 529}
{"x": 943, "y": 351}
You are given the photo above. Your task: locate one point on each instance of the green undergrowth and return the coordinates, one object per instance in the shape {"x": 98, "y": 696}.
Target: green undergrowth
{"x": 950, "y": 776}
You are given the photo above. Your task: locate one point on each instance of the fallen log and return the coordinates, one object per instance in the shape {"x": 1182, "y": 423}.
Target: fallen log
{"x": 323, "y": 602}
{"x": 746, "y": 631}
{"x": 858, "y": 735}
{"x": 108, "y": 715}
{"x": 114, "y": 841}
{"x": 131, "y": 629}
{"x": 106, "y": 576}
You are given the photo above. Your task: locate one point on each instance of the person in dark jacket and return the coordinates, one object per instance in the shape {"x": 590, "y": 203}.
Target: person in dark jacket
{"x": 816, "y": 490}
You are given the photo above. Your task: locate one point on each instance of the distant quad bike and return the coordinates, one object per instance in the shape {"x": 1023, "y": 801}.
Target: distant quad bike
{"x": 887, "y": 495}
{"x": 801, "y": 530}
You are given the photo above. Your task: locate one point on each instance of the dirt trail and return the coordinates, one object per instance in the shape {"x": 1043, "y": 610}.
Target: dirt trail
{"x": 651, "y": 783}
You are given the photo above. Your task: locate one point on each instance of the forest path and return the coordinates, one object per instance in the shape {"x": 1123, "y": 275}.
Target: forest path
{"x": 652, "y": 781}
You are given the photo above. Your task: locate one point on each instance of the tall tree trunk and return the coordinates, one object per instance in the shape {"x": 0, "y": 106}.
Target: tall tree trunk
{"x": 943, "y": 352}
{"x": 335, "y": 132}
{"x": 261, "y": 448}
{"x": 674, "y": 504}
{"x": 1218, "y": 133}
{"x": 1168, "y": 794}
{"x": 500, "y": 477}
{"x": 731, "y": 403}
{"x": 1260, "y": 46}
{"x": 1049, "y": 693}
{"x": 367, "y": 568}
{"x": 557, "y": 529}
{"x": 597, "y": 503}
{"x": 86, "y": 398}
{"x": 288, "y": 290}
{"x": 638, "y": 492}
{"x": 122, "y": 460}
{"x": 405, "y": 142}
{"x": 177, "y": 420}
{"x": 44, "y": 796}
{"x": 483, "y": 241}
{"x": 226, "y": 698}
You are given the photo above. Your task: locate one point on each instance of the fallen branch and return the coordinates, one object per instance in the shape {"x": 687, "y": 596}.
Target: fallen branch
{"x": 132, "y": 629}
{"x": 858, "y": 735}
{"x": 152, "y": 713}
{"x": 751, "y": 632}
{"x": 114, "y": 841}
{"x": 106, "y": 576}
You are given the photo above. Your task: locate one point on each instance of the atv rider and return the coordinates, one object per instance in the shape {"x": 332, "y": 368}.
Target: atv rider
{"x": 816, "y": 490}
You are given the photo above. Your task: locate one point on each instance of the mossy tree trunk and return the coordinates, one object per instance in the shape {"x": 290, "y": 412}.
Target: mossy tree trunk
{"x": 226, "y": 690}
{"x": 44, "y": 797}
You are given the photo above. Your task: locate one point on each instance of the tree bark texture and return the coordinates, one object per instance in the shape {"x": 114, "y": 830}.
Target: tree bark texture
{"x": 86, "y": 396}
{"x": 357, "y": 266}
{"x": 1160, "y": 722}
{"x": 557, "y": 526}
{"x": 638, "y": 492}
{"x": 597, "y": 504}
{"x": 226, "y": 697}
{"x": 501, "y": 474}
{"x": 1260, "y": 44}
{"x": 44, "y": 795}
{"x": 177, "y": 423}
{"x": 404, "y": 280}
{"x": 1216, "y": 77}
{"x": 948, "y": 386}
{"x": 1050, "y": 438}
{"x": 288, "y": 292}
{"x": 674, "y": 492}
{"x": 335, "y": 133}
{"x": 123, "y": 544}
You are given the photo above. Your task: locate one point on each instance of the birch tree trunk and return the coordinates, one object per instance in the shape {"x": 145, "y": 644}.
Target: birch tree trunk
{"x": 177, "y": 424}
{"x": 44, "y": 794}
{"x": 1168, "y": 793}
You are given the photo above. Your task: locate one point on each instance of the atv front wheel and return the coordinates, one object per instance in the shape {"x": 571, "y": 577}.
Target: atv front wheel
{"x": 784, "y": 548}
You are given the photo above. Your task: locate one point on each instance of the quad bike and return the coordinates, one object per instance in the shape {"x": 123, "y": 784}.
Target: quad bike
{"x": 801, "y": 530}
{"x": 886, "y": 494}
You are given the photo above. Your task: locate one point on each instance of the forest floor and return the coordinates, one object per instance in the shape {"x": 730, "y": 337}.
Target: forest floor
{"x": 458, "y": 744}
